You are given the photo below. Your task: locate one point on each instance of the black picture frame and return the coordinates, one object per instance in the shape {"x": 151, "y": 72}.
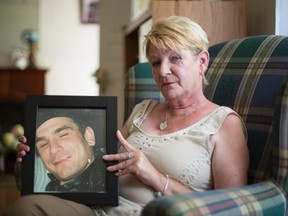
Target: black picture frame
{"x": 98, "y": 111}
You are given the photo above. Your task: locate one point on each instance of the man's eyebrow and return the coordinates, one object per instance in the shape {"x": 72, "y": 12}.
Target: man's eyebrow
{"x": 64, "y": 127}
{"x": 38, "y": 139}
{"x": 58, "y": 130}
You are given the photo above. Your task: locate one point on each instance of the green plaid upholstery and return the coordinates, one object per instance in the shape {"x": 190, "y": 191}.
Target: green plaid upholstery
{"x": 263, "y": 198}
{"x": 140, "y": 85}
{"x": 250, "y": 76}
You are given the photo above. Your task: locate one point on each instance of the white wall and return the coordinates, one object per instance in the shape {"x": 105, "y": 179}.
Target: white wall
{"x": 281, "y": 17}
{"x": 15, "y": 17}
{"x": 69, "y": 49}
{"x": 143, "y": 30}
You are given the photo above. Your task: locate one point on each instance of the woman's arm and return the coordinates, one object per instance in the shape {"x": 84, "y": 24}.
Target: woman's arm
{"x": 230, "y": 159}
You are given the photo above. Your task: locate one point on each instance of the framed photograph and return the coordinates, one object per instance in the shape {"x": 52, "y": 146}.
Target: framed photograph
{"x": 89, "y": 11}
{"x": 68, "y": 135}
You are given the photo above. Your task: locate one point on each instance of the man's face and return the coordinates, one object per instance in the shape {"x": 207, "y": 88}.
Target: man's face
{"x": 62, "y": 148}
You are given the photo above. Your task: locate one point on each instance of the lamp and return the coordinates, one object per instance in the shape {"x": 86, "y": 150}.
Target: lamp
{"x": 30, "y": 37}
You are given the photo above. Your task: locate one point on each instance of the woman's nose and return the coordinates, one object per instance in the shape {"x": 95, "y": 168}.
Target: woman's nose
{"x": 164, "y": 69}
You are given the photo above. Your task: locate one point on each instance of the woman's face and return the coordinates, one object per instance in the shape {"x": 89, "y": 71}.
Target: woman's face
{"x": 177, "y": 74}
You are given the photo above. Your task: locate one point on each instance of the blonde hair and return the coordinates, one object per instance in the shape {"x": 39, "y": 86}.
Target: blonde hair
{"x": 176, "y": 33}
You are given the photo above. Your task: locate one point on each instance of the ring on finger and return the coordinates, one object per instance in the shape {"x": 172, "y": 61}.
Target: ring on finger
{"x": 128, "y": 156}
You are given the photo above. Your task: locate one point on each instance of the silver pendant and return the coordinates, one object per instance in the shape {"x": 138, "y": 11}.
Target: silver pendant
{"x": 163, "y": 125}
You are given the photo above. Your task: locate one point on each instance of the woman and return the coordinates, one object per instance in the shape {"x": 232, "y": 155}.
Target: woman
{"x": 185, "y": 144}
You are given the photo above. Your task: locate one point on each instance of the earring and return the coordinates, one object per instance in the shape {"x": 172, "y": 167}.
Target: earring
{"x": 205, "y": 81}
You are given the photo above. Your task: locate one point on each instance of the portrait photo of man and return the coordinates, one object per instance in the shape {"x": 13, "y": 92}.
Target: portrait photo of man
{"x": 69, "y": 145}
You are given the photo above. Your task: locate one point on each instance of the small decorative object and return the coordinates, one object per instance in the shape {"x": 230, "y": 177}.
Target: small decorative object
{"x": 31, "y": 37}
{"x": 9, "y": 139}
{"x": 20, "y": 57}
{"x": 8, "y": 142}
{"x": 101, "y": 78}
{"x": 163, "y": 125}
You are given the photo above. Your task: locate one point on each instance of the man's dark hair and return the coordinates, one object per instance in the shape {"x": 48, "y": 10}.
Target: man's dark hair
{"x": 47, "y": 115}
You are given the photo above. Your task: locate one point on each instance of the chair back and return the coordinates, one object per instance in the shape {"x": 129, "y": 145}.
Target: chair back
{"x": 250, "y": 76}
{"x": 140, "y": 85}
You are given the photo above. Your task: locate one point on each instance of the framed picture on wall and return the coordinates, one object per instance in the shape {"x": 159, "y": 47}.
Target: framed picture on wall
{"x": 89, "y": 11}
{"x": 68, "y": 136}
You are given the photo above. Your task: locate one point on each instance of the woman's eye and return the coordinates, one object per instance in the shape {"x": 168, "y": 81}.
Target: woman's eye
{"x": 155, "y": 64}
{"x": 175, "y": 59}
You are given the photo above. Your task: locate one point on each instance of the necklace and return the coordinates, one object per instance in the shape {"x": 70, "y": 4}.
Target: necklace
{"x": 163, "y": 125}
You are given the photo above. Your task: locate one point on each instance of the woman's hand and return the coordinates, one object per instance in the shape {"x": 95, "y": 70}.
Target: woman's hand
{"x": 133, "y": 161}
{"x": 22, "y": 148}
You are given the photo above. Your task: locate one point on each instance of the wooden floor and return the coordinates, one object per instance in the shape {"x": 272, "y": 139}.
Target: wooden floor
{"x": 8, "y": 191}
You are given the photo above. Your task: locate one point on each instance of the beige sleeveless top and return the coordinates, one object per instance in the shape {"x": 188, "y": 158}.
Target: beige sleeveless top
{"x": 184, "y": 155}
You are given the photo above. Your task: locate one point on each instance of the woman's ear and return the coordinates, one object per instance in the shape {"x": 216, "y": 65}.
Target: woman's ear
{"x": 204, "y": 60}
{"x": 90, "y": 136}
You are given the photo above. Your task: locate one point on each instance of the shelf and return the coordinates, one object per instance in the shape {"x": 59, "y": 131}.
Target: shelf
{"x": 134, "y": 25}
{"x": 15, "y": 84}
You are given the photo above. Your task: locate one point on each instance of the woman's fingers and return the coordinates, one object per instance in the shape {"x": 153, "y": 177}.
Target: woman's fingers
{"x": 19, "y": 159}
{"x": 22, "y": 139}
{"x": 128, "y": 160}
{"x": 20, "y": 155}
{"x": 120, "y": 166}
{"x": 123, "y": 142}
{"x": 124, "y": 155}
{"x": 118, "y": 157}
{"x": 22, "y": 147}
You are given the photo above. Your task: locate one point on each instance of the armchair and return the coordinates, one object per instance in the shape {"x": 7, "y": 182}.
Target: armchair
{"x": 249, "y": 75}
